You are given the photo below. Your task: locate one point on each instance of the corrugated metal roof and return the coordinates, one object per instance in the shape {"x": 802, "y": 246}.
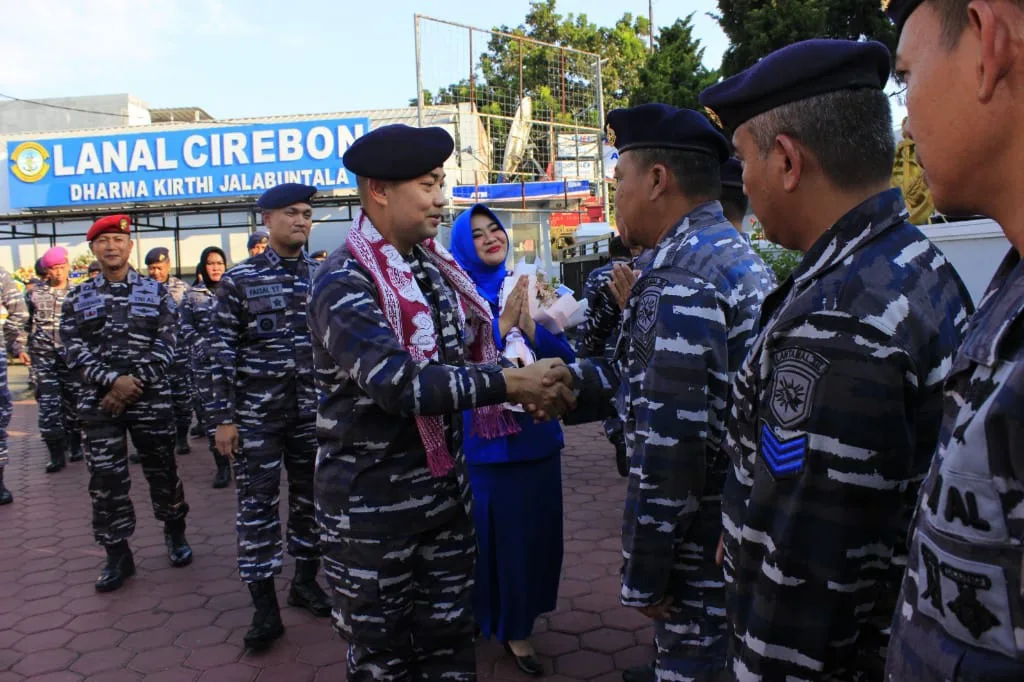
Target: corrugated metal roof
{"x": 432, "y": 115}
{"x": 179, "y": 115}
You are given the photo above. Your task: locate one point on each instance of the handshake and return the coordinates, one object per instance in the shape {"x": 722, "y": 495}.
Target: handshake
{"x": 543, "y": 388}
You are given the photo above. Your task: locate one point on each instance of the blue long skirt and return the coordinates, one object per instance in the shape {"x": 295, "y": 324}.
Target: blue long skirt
{"x": 518, "y": 517}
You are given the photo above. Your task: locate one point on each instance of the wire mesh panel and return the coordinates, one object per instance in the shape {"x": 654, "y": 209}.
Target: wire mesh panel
{"x": 537, "y": 105}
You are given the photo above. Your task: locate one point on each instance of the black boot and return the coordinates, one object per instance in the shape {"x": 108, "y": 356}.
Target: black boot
{"x": 305, "y": 592}
{"x": 621, "y": 460}
{"x": 266, "y": 622}
{"x": 119, "y": 567}
{"x": 5, "y": 495}
{"x": 178, "y": 550}
{"x": 197, "y": 431}
{"x": 181, "y": 446}
{"x": 75, "y": 446}
{"x": 57, "y": 453}
{"x": 223, "y": 476}
{"x": 639, "y": 673}
{"x": 134, "y": 458}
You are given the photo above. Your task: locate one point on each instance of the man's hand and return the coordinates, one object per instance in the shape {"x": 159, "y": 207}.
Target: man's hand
{"x": 113, "y": 405}
{"x": 127, "y": 389}
{"x": 511, "y": 312}
{"x": 226, "y": 440}
{"x": 543, "y": 398}
{"x": 25, "y": 359}
{"x": 659, "y": 611}
{"x": 621, "y": 284}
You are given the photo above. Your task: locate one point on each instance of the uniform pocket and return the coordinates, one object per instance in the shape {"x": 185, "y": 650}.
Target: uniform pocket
{"x": 367, "y": 613}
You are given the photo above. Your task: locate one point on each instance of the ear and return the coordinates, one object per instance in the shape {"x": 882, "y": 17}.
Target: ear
{"x": 658, "y": 179}
{"x": 997, "y": 55}
{"x": 377, "y": 191}
{"x": 789, "y": 161}
{"x": 266, "y": 218}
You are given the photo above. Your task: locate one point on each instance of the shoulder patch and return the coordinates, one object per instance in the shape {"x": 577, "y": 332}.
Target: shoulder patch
{"x": 647, "y": 304}
{"x": 794, "y": 380}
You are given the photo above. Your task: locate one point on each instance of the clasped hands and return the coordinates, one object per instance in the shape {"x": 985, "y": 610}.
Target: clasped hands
{"x": 516, "y": 311}
{"x": 125, "y": 391}
{"x": 543, "y": 388}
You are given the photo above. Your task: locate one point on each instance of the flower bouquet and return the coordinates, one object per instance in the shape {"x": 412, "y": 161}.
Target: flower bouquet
{"x": 553, "y": 307}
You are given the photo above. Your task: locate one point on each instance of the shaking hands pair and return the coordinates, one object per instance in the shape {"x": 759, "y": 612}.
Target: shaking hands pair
{"x": 544, "y": 389}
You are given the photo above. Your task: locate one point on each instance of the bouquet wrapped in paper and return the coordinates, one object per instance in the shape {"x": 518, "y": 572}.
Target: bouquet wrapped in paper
{"x": 554, "y": 308}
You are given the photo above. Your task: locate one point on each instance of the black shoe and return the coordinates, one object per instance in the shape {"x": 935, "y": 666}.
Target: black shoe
{"x": 75, "y": 446}
{"x": 5, "y": 495}
{"x": 119, "y": 567}
{"x": 266, "y": 621}
{"x": 222, "y": 479}
{"x": 57, "y": 455}
{"x": 639, "y": 673}
{"x": 181, "y": 446}
{"x": 134, "y": 458}
{"x": 306, "y": 593}
{"x": 528, "y": 664}
{"x": 178, "y": 550}
{"x": 621, "y": 461}
{"x": 197, "y": 431}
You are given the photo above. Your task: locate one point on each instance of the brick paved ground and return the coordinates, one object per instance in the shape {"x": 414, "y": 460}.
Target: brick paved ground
{"x": 170, "y": 625}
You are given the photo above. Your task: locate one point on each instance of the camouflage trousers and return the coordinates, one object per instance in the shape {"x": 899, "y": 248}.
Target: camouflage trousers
{"x": 6, "y": 409}
{"x": 106, "y": 439}
{"x": 56, "y": 396}
{"x": 180, "y": 378}
{"x": 200, "y": 384}
{"x": 693, "y": 642}
{"x": 405, "y": 603}
{"x": 258, "y": 485}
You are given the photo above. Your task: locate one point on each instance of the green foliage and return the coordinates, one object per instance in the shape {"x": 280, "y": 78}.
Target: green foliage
{"x": 675, "y": 74}
{"x": 757, "y": 27}
{"x": 782, "y": 261}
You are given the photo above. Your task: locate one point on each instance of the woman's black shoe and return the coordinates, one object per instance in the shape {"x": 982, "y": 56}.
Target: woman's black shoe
{"x": 528, "y": 664}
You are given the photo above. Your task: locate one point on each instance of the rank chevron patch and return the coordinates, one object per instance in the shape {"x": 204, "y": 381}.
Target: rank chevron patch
{"x": 782, "y": 457}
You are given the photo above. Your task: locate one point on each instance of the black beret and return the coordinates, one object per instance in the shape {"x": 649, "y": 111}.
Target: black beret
{"x": 899, "y": 11}
{"x": 398, "y": 152}
{"x": 660, "y": 126}
{"x": 257, "y": 237}
{"x": 732, "y": 173}
{"x": 94, "y": 266}
{"x": 157, "y": 255}
{"x": 285, "y": 194}
{"x": 795, "y": 72}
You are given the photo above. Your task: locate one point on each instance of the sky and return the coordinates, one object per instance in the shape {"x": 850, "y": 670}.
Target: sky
{"x": 243, "y": 58}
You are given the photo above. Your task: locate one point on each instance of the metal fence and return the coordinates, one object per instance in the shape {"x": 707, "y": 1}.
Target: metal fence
{"x": 538, "y": 105}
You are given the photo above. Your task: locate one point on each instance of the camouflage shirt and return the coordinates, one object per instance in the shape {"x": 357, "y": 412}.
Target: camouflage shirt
{"x": 195, "y": 321}
{"x": 834, "y": 420}
{"x": 371, "y": 458}
{"x": 689, "y": 321}
{"x": 964, "y": 586}
{"x": 45, "y": 304}
{"x": 16, "y": 325}
{"x": 177, "y": 289}
{"x": 599, "y": 333}
{"x": 262, "y": 356}
{"x": 110, "y": 329}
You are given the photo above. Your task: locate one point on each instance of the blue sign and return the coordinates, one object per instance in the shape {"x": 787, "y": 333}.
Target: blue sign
{"x": 548, "y": 189}
{"x": 174, "y": 165}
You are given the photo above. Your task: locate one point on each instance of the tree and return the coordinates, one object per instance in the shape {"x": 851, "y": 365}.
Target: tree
{"x": 675, "y": 73}
{"x": 758, "y": 27}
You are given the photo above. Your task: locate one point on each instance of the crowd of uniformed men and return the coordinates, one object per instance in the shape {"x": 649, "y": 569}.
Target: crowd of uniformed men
{"x": 825, "y": 477}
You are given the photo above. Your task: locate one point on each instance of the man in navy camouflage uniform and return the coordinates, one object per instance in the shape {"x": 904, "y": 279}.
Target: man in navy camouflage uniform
{"x": 836, "y": 410}
{"x": 687, "y": 326}
{"x": 195, "y": 327}
{"x": 264, "y": 408}
{"x": 158, "y": 263}
{"x": 55, "y": 387}
{"x": 13, "y": 338}
{"x": 961, "y": 610}
{"x": 599, "y": 333}
{"x": 118, "y": 332}
{"x": 257, "y": 242}
{"x": 398, "y": 534}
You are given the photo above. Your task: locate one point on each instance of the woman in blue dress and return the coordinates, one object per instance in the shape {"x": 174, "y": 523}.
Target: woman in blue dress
{"x": 517, "y": 479}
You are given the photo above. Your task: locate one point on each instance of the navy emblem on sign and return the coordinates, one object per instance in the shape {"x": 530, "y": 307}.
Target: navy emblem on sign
{"x": 797, "y": 372}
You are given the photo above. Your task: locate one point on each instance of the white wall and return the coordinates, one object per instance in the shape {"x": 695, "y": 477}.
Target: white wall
{"x": 974, "y": 247}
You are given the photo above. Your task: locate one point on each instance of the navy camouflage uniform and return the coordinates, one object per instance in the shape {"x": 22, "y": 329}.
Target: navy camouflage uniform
{"x": 55, "y": 386}
{"x": 835, "y": 415}
{"x": 195, "y": 325}
{"x": 961, "y": 610}
{"x": 14, "y": 337}
{"x": 112, "y": 329}
{"x": 262, "y": 382}
{"x": 690, "y": 319}
{"x": 399, "y": 544}
{"x": 180, "y": 373}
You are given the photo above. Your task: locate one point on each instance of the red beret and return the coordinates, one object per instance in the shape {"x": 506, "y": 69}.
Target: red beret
{"x": 115, "y": 224}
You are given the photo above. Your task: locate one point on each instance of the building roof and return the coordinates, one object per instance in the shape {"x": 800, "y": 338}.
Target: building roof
{"x": 179, "y": 115}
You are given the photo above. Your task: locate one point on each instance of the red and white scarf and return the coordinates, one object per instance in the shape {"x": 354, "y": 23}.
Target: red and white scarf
{"x": 409, "y": 317}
